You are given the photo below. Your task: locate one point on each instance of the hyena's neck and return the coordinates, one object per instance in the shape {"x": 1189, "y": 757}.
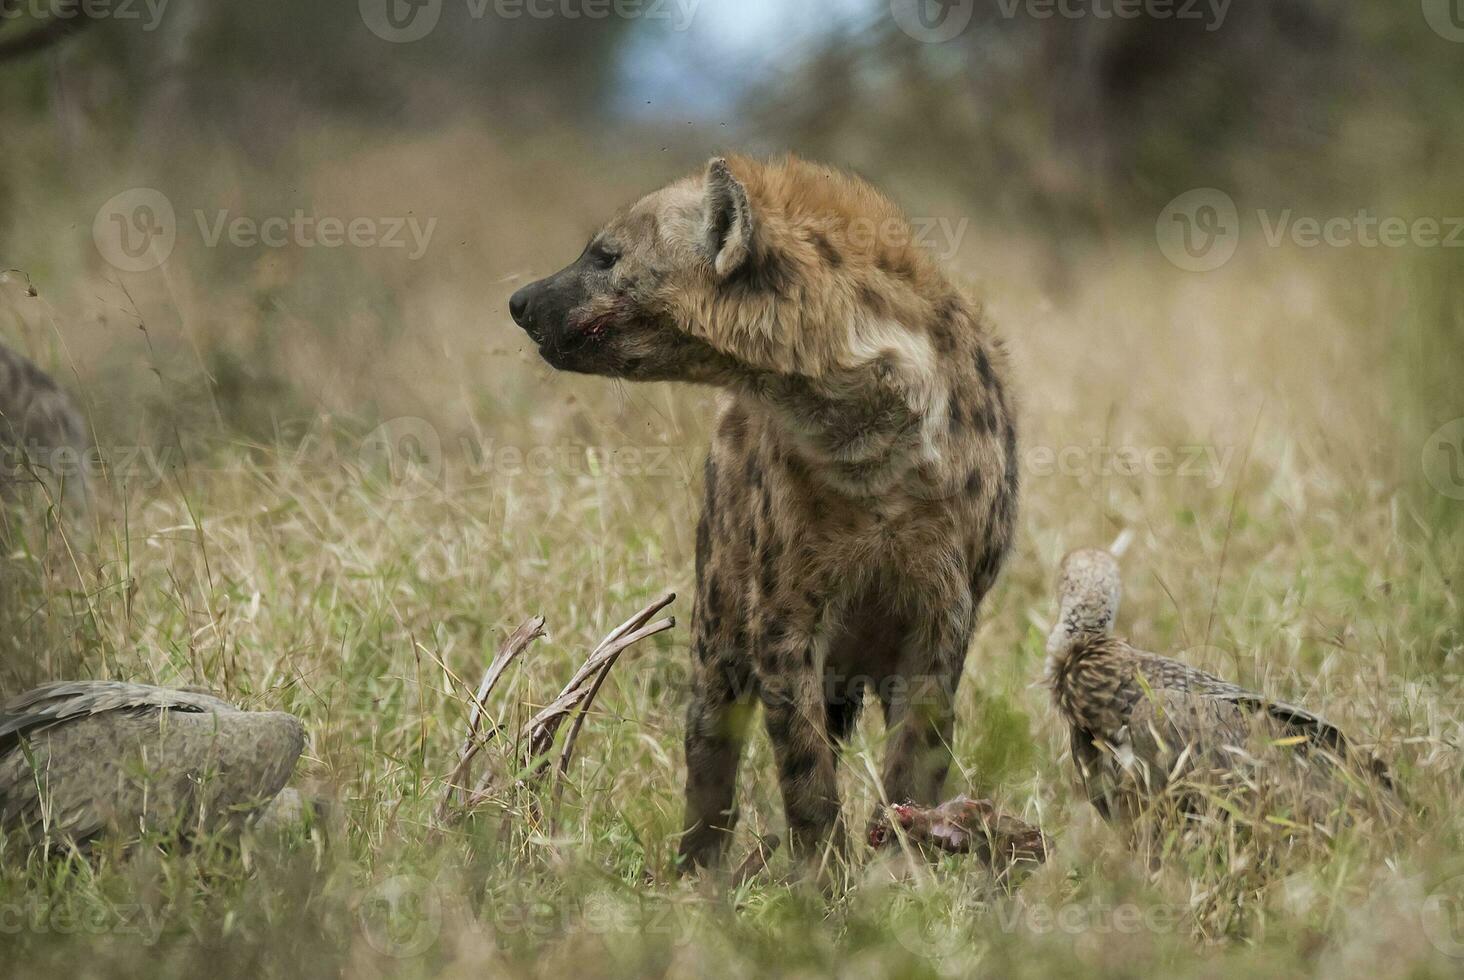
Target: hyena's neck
{"x": 856, "y": 380}
{"x": 863, "y": 430}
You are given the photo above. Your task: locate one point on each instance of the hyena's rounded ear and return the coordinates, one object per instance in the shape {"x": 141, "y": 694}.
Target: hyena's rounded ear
{"x": 729, "y": 222}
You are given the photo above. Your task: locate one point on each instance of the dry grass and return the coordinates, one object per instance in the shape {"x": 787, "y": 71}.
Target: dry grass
{"x": 1288, "y": 541}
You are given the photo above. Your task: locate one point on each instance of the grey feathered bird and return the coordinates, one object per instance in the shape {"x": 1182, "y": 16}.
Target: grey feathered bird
{"x": 79, "y": 758}
{"x": 1141, "y": 722}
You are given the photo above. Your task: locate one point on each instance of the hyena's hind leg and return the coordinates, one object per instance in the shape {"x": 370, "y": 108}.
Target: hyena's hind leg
{"x": 843, "y": 702}
{"x": 864, "y": 647}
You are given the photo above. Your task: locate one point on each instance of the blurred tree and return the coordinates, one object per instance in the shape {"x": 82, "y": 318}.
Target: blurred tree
{"x": 1068, "y": 122}
{"x": 1084, "y": 121}
{"x": 19, "y": 38}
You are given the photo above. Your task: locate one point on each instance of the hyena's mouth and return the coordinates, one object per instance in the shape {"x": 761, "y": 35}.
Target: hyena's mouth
{"x": 569, "y": 347}
{"x": 582, "y": 332}
{"x": 593, "y": 328}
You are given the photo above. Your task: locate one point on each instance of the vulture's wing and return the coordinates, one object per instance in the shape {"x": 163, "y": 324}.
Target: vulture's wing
{"x": 1174, "y": 676}
{"x": 1166, "y": 724}
{"x": 53, "y": 704}
{"x": 1206, "y": 703}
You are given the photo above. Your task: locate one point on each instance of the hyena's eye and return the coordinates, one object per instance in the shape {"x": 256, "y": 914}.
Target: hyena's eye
{"x": 602, "y": 257}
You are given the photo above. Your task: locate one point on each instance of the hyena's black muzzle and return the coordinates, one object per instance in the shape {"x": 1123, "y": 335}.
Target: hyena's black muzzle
{"x": 543, "y": 307}
{"x": 556, "y": 313}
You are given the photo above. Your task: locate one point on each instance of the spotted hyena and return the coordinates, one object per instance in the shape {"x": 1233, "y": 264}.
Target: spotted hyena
{"x": 861, "y": 488}
{"x": 42, "y": 435}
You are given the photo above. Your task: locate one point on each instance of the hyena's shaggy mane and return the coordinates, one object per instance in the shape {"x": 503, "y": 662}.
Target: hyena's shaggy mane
{"x": 834, "y": 283}
{"x": 836, "y": 292}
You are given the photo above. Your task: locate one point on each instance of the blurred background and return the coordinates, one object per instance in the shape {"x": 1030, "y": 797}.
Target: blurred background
{"x": 511, "y": 128}
{"x": 268, "y": 247}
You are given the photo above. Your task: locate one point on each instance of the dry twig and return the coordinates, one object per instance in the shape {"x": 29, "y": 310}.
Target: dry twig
{"x": 516, "y": 643}
{"x": 538, "y": 734}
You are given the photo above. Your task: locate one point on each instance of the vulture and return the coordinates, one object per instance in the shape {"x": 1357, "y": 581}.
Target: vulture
{"x": 1144, "y": 727}
{"x": 42, "y": 433}
{"x": 82, "y": 758}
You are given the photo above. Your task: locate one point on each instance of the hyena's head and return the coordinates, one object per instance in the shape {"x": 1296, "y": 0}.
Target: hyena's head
{"x": 746, "y": 265}
{"x": 619, "y": 309}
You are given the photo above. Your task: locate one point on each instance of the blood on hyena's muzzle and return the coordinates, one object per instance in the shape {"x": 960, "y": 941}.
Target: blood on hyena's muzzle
{"x": 559, "y": 316}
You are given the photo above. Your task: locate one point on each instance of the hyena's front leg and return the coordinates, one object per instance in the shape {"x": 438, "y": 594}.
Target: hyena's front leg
{"x": 790, "y": 680}
{"x": 716, "y": 730}
{"x": 920, "y": 703}
{"x": 722, "y": 699}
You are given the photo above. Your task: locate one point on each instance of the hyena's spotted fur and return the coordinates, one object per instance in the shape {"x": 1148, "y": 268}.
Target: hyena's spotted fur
{"x": 42, "y": 435}
{"x": 861, "y": 488}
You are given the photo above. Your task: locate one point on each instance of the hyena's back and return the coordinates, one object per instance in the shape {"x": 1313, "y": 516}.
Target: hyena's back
{"x": 43, "y": 436}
